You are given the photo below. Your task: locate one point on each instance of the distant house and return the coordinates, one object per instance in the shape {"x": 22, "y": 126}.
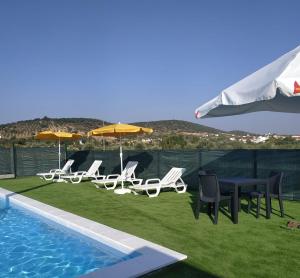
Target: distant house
{"x": 260, "y": 139}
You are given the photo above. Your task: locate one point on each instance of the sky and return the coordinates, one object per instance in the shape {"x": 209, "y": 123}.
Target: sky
{"x": 139, "y": 60}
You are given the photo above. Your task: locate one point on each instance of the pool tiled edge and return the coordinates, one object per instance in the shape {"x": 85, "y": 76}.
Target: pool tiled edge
{"x": 153, "y": 256}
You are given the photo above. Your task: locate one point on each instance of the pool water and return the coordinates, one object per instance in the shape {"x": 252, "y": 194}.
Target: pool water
{"x": 31, "y": 246}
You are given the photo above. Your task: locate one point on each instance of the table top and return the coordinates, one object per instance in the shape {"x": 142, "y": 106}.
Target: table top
{"x": 242, "y": 181}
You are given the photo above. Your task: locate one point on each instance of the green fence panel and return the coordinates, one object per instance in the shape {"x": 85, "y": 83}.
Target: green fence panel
{"x": 30, "y": 161}
{"x": 155, "y": 164}
{"x": 147, "y": 167}
{"x": 287, "y": 161}
{"x": 229, "y": 163}
{"x": 148, "y": 163}
{"x": 5, "y": 161}
{"x": 82, "y": 159}
{"x": 182, "y": 159}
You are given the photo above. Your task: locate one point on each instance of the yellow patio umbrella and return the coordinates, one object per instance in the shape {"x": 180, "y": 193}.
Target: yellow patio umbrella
{"x": 119, "y": 130}
{"x": 57, "y": 136}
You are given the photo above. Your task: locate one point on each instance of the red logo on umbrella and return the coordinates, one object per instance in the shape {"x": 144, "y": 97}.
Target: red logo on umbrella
{"x": 197, "y": 115}
{"x": 296, "y": 88}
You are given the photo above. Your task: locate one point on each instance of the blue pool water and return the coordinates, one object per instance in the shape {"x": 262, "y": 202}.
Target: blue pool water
{"x": 31, "y": 246}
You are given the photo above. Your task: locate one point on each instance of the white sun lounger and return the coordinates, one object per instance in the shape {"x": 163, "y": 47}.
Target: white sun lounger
{"x": 92, "y": 173}
{"x": 153, "y": 186}
{"x": 57, "y": 172}
{"x": 111, "y": 181}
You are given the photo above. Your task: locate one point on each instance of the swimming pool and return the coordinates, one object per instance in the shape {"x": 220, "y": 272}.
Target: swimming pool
{"x": 77, "y": 246}
{"x": 31, "y": 246}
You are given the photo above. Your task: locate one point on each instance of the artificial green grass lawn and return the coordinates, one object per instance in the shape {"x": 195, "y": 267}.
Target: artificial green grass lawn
{"x": 253, "y": 248}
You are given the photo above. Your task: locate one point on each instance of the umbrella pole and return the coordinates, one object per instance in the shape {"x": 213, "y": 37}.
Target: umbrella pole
{"x": 122, "y": 190}
{"x": 59, "y": 153}
{"x": 121, "y": 159}
{"x": 59, "y": 156}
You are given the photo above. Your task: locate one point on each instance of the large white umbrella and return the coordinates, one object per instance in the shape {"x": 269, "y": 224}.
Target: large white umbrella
{"x": 275, "y": 87}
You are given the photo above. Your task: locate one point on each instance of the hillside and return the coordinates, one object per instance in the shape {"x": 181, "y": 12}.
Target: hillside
{"x": 172, "y": 126}
{"x": 27, "y": 129}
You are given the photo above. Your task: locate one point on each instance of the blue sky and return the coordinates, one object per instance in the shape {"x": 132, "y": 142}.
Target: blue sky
{"x": 139, "y": 60}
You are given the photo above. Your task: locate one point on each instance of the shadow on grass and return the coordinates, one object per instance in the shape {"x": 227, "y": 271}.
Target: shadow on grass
{"x": 180, "y": 270}
{"x": 252, "y": 212}
{"x": 29, "y": 189}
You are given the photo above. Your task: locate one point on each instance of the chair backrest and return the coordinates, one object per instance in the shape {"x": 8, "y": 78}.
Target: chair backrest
{"x": 94, "y": 167}
{"x": 173, "y": 175}
{"x": 275, "y": 182}
{"x": 209, "y": 189}
{"x": 129, "y": 169}
{"x": 68, "y": 165}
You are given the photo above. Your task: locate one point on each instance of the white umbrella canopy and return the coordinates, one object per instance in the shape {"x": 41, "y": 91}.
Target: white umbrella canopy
{"x": 275, "y": 87}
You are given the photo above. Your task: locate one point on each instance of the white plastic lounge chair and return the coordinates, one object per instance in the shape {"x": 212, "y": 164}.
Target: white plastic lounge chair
{"x": 57, "y": 172}
{"x": 153, "y": 186}
{"x": 111, "y": 181}
{"x": 93, "y": 172}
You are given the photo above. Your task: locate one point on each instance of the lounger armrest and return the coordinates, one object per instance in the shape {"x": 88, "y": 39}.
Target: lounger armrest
{"x": 136, "y": 182}
{"x": 53, "y": 170}
{"x": 99, "y": 177}
{"x": 149, "y": 181}
{"x": 113, "y": 176}
{"x": 80, "y": 173}
{"x": 57, "y": 171}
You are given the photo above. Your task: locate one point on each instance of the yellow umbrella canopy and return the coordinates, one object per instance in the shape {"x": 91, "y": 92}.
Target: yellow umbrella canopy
{"x": 117, "y": 130}
{"x": 58, "y": 136}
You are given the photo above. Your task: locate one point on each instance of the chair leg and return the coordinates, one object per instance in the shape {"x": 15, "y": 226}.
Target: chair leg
{"x": 249, "y": 204}
{"x": 281, "y": 207}
{"x": 216, "y": 207}
{"x": 258, "y": 207}
{"x": 209, "y": 208}
{"x": 270, "y": 205}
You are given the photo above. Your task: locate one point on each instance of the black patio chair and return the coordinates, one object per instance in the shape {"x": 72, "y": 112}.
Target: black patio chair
{"x": 209, "y": 192}
{"x": 275, "y": 188}
{"x": 224, "y": 189}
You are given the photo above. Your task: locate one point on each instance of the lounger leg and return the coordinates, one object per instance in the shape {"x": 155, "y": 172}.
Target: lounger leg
{"x": 281, "y": 206}
{"x": 183, "y": 190}
{"x": 76, "y": 179}
{"x": 110, "y": 187}
{"x": 50, "y": 177}
{"x": 151, "y": 195}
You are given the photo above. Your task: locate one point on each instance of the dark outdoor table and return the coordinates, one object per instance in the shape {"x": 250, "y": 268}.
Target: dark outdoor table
{"x": 237, "y": 183}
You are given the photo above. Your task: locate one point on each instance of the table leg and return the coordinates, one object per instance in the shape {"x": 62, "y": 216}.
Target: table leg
{"x": 235, "y": 205}
{"x": 268, "y": 201}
